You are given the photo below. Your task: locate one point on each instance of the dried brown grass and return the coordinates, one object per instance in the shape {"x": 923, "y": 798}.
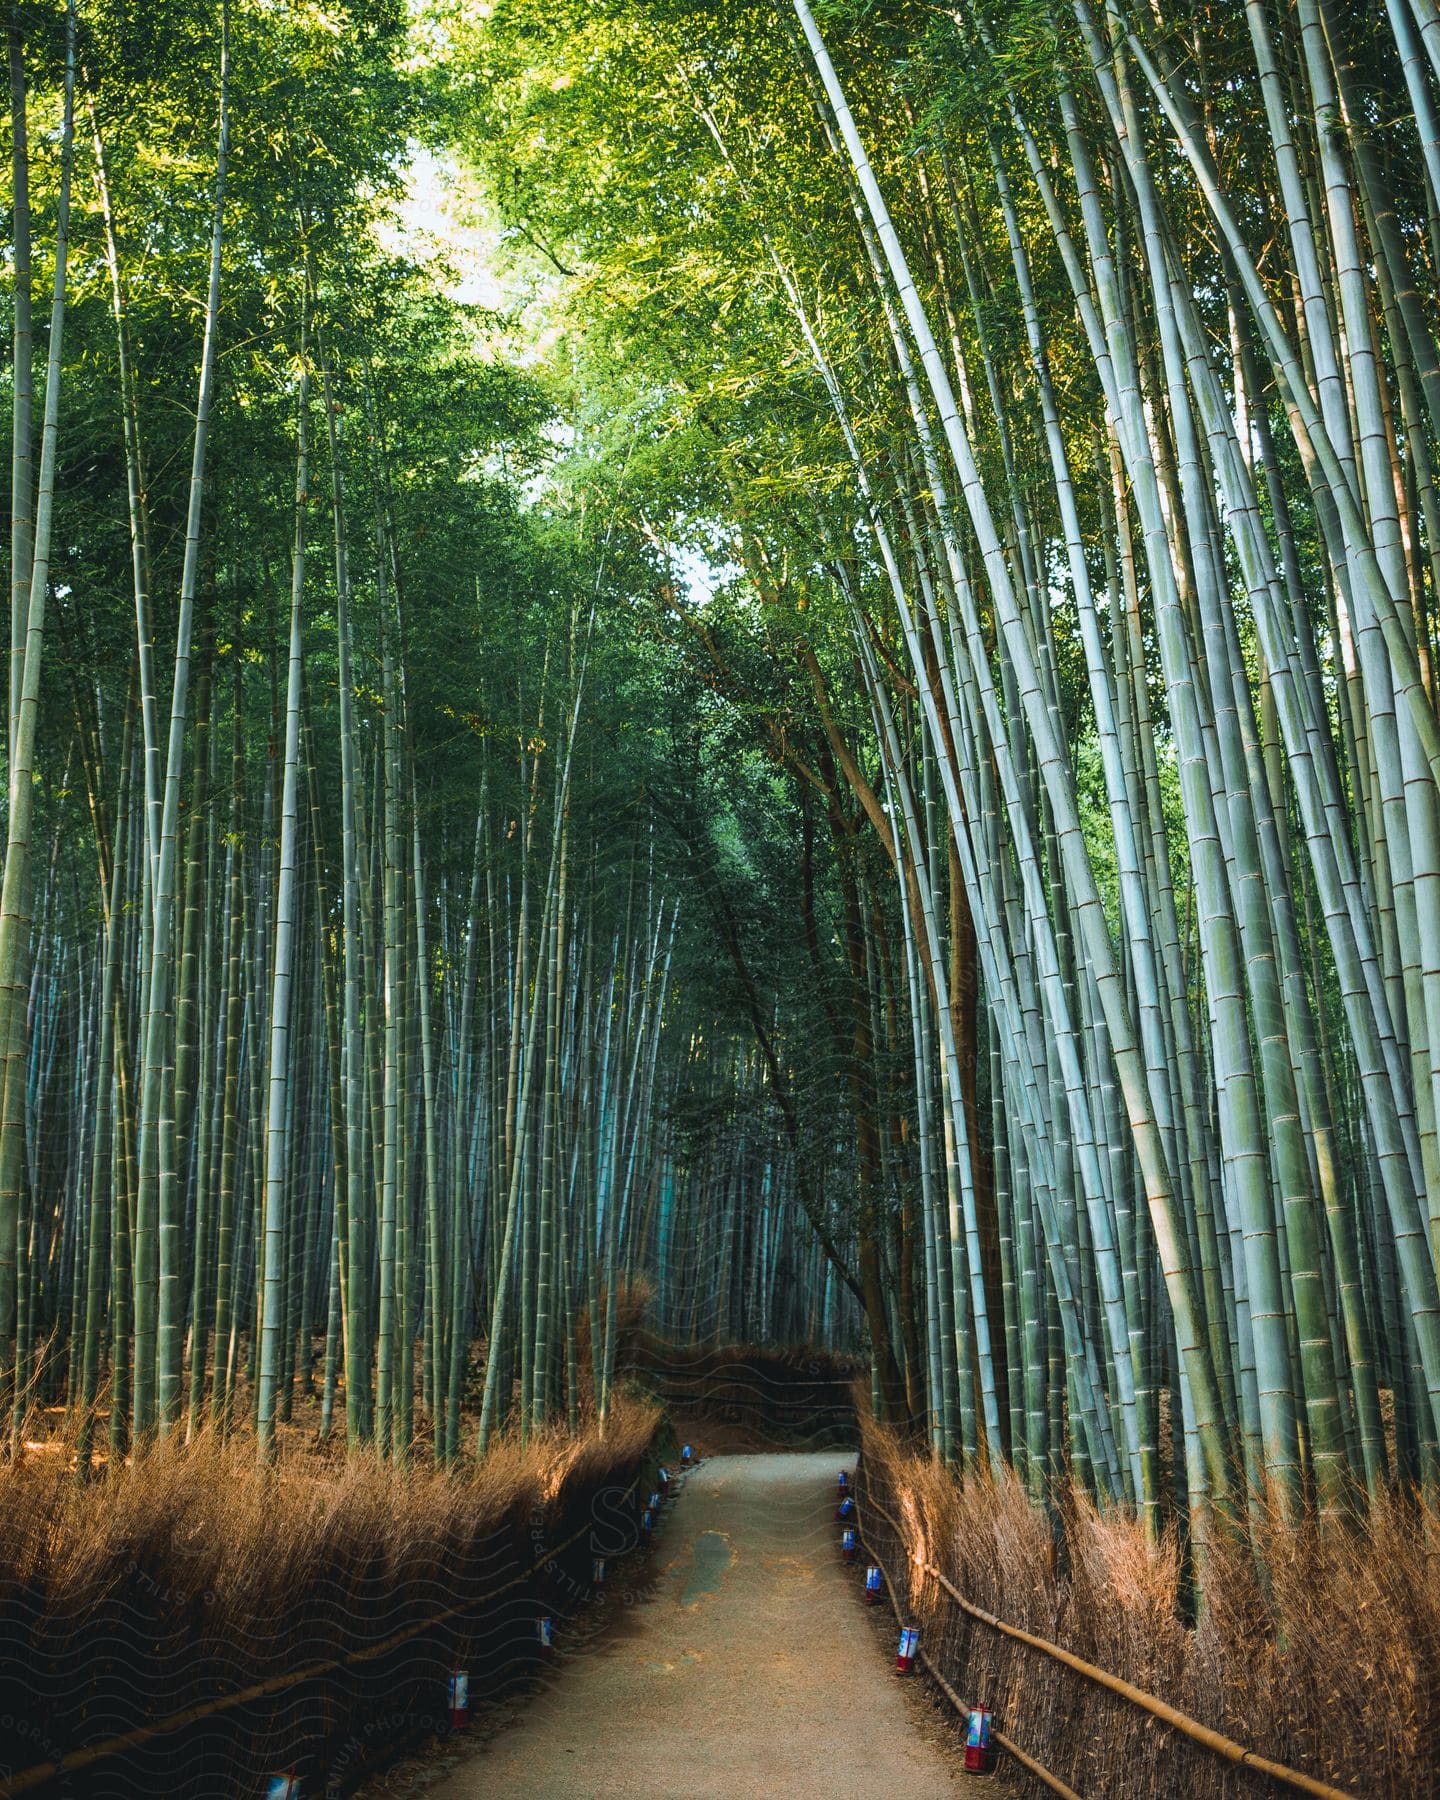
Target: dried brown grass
{"x": 794, "y": 1397}
{"x": 190, "y": 1574}
{"x": 1317, "y": 1646}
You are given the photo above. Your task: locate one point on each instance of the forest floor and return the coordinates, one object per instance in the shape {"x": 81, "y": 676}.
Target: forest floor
{"x": 741, "y": 1661}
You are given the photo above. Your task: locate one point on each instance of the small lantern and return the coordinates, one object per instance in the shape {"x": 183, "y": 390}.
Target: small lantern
{"x": 908, "y": 1649}
{"x": 845, "y": 1510}
{"x": 285, "y": 1786}
{"x": 459, "y": 1699}
{"x": 545, "y": 1632}
{"x": 847, "y": 1544}
{"x": 872, "y": 1585}
{"x": 842, "y": 1481}
{"x": 597, "y": 1572}
{"x": 977, "y": 1741}
{"x": 686, "y": 1455}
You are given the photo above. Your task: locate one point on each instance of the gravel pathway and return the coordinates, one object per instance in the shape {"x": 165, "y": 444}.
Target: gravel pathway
{"x": 749, "y": 1667}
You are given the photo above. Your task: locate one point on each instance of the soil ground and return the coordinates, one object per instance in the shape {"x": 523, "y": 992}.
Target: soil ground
{"x": 742, "y": 1661}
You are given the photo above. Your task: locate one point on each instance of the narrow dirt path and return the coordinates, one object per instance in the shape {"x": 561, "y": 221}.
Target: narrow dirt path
{"x": 748, "y": 1668}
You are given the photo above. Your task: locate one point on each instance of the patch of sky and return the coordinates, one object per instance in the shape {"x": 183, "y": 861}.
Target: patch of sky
{"x": 700, "y": 575}
{"x": 438, "y": 218}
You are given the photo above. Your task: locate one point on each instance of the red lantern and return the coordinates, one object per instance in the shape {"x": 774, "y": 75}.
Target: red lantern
{"x": 909, "y": 1647}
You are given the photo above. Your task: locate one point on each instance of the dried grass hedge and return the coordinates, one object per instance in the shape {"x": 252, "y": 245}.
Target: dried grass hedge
{"x": 784, "y": 1397}
{"x": 1335, "y": 1671}
{"x": 190, "y": 1575}
{"x": 797, "y": 1398}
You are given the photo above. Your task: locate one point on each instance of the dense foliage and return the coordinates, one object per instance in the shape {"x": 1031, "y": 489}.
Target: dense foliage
{"x": 864, "y": 744}
{"x": 1056, "y": 392}
{"x": 350, "y": 983}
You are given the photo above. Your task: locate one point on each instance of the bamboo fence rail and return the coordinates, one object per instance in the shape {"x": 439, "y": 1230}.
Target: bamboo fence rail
{"x": 1214, "y": 1741}
{"x": 39, "y": 1775}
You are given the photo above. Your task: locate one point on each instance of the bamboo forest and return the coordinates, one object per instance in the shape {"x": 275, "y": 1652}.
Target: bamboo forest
{"x": 723, "y": 746}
